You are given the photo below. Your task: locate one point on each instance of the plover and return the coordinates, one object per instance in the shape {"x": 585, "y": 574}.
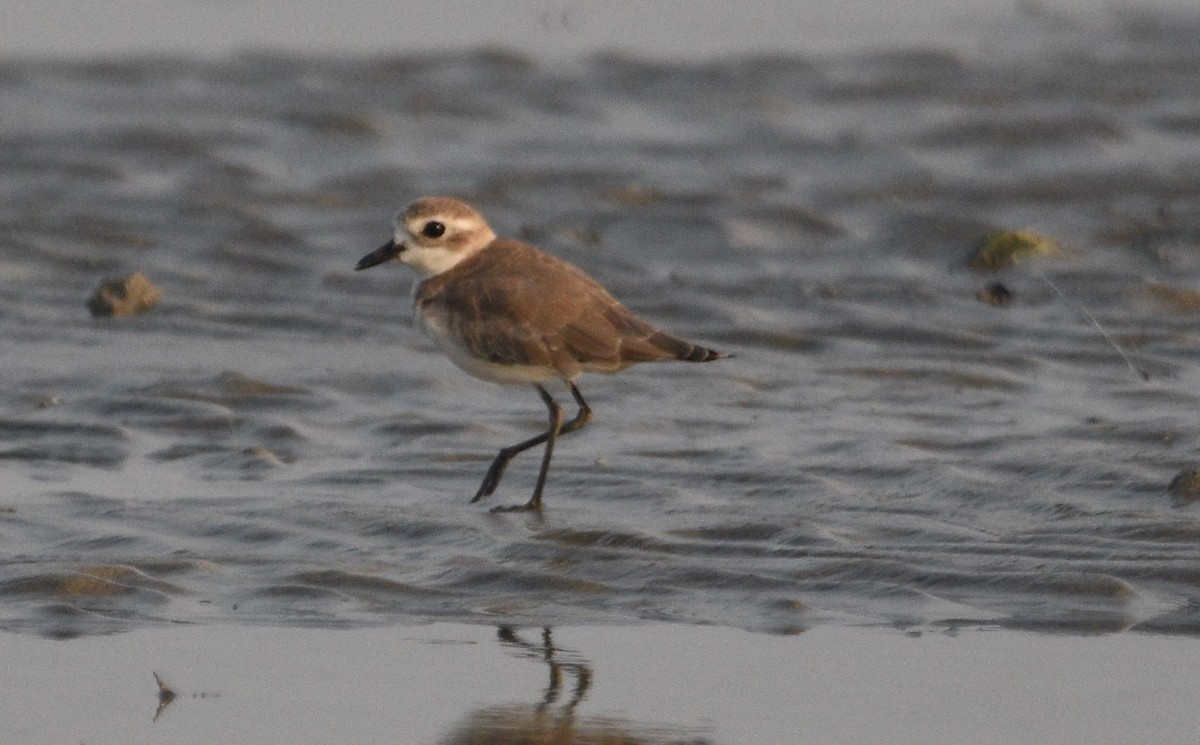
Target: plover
{"x": 507, "y": 312}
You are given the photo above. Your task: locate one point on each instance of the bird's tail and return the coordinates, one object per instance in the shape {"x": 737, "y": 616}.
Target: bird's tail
{"x": 684, "y": 350}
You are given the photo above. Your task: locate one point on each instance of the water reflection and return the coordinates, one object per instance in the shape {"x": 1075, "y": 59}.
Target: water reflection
{"x": 550, "y": 722}
{"x": 547, "y": 652}
{"x": 165, "y": 696}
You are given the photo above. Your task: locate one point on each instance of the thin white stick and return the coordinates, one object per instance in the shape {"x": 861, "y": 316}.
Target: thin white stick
{"x": 1092, "y": 319}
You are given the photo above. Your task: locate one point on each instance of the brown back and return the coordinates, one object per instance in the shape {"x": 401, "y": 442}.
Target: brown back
{"x": 516, "y": 305}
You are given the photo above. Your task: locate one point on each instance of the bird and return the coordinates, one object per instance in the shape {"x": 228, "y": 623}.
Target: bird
{"x": 507, "y": 312}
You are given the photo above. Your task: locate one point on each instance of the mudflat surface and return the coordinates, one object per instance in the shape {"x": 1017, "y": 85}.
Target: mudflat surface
{"x": 274, "y": 442}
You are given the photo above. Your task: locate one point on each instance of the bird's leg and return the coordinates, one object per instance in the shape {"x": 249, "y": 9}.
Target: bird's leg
{"x": 556, "y": 423}
{"x": 492, "y": 479}
{"x": 582, "y": 417}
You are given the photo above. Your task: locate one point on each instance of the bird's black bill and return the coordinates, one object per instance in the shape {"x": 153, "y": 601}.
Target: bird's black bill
{"x": 386, "y": 252}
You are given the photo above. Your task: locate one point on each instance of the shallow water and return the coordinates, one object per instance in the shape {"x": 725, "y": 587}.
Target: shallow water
{"x": 275, "y": 444}
{"x": 653, "y": 684}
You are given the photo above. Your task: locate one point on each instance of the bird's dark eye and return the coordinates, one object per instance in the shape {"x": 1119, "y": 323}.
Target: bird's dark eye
{"x": 433, "y": 229}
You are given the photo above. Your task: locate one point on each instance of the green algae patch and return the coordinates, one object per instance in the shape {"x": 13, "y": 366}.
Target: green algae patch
{"x": 1178, "y": 299}
{"x": 1009, "y": 247}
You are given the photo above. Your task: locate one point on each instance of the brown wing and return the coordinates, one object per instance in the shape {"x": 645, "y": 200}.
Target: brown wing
{"x": 513, "y": 304}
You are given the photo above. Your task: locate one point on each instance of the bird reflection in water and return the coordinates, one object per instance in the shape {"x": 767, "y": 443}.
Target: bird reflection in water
{"x": 551, "y": 722}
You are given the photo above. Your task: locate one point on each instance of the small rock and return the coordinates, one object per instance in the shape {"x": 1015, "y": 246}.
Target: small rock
{"x": 1185, "y": 487}
{"x": 994, "y": 293}
{"x": 125, "y": 296}
{"x": 259, "y": 458}
{"x": 46, "y": 401}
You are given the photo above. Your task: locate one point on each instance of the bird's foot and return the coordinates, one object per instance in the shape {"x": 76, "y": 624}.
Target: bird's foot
{"x": 492, "y": 478}
{"x": 533, "y": 505}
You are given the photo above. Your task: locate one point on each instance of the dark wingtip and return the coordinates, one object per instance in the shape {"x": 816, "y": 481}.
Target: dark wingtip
{"x": 704, "y": 354}
{"x": 668, "y": 347}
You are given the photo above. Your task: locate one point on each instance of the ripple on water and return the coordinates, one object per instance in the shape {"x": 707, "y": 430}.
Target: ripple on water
{"x": 93, "y": 445}
{"x": 274, "y": 442}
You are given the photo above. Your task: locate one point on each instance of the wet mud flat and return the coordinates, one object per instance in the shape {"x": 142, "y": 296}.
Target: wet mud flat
{"x": 653, "y": 684}
{"x": 271, "y": 443}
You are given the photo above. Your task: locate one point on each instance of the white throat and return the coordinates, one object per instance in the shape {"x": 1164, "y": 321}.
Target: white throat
{"x": 431, "y": 260}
